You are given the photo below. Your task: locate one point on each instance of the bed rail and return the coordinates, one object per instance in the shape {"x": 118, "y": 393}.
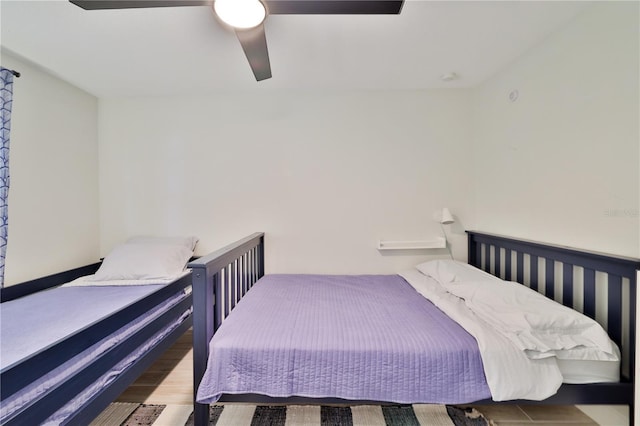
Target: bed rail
{"x": 219, "y": 282}
{"x": 19, "y": 290}
{"x": 601, "y": 286}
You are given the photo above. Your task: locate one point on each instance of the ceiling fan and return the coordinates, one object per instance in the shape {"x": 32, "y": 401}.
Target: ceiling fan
{"x": 251, "y": 33}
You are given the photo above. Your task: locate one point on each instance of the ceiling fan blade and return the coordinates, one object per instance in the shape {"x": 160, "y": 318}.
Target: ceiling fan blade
{"x": 254, "y": 44}
{"x": 133, "y": 4}
{"x": 334, "y": 7}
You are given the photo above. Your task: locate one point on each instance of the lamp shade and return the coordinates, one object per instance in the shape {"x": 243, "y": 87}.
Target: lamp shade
{"x": 447, "y": 218}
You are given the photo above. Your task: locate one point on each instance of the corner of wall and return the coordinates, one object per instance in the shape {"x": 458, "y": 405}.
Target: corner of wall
{"x": 556, "y": 144}
{"x": 53, "y": 198}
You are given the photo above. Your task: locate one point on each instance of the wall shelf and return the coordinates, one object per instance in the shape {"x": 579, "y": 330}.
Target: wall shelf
{"x": 436, "y": 243}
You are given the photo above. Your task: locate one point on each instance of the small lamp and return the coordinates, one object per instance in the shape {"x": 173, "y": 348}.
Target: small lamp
{"x": 446, "y": 219}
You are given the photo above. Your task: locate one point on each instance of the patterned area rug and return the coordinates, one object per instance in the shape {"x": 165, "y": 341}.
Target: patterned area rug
{"x": 128, "y": 414}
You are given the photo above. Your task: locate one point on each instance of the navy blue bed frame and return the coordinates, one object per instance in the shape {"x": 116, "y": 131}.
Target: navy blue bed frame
{"x": 601, "y": 286}
{"x": 222, "y": 278}
{"x": 15, "y": 377}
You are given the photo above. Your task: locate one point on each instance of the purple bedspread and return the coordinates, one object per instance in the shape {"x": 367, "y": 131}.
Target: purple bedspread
{"x": 354, "y": 337}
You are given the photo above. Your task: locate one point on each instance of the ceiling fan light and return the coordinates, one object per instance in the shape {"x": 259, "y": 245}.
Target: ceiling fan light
{"x": 240, "y": 13}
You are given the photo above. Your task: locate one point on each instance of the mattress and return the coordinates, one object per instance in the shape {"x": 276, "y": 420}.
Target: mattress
{"x": 577, "y": 371}
{"x": 32, "y": 323}
{"x": 354, "y": 337}
{"x": 25, "y": 334}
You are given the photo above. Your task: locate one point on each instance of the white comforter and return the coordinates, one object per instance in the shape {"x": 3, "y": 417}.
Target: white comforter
{"x": 537, "y": 325}
{"x": 510, "y": 373}
{"x": 520, "y": 332}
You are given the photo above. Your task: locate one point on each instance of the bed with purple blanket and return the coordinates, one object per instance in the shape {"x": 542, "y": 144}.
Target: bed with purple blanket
{"x": 70, "y": 343}
{"x": 416, "y": 337}
{"x": 351, "y": 337}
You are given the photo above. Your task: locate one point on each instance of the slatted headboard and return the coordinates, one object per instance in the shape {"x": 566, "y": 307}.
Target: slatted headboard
{"x": 601, "y": 286}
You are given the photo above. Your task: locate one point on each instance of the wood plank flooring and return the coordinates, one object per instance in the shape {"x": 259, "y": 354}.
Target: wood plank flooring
{"x": 170, "y": 381}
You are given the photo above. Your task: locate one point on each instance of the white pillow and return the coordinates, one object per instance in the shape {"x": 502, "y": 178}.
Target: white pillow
{"x": 143, "y": 261}
{"x": 447, "y": 271}
{"x": 188, "y": 242}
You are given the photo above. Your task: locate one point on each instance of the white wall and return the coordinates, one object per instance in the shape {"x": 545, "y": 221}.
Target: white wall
{"x": 325, "y": 175}
{"x": 53, "y": 198}
{"x": 561, "y": 163}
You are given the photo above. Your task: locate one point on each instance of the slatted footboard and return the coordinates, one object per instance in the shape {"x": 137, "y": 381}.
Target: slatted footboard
{"x": 219, "y": 282}
{"x": 602, "y": 287}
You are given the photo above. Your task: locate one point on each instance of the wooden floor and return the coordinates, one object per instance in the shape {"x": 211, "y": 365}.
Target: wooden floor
{"x": 169, "y": 381}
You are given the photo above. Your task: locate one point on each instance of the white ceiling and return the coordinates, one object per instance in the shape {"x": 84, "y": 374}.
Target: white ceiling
{"x": 184, "y": 50}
